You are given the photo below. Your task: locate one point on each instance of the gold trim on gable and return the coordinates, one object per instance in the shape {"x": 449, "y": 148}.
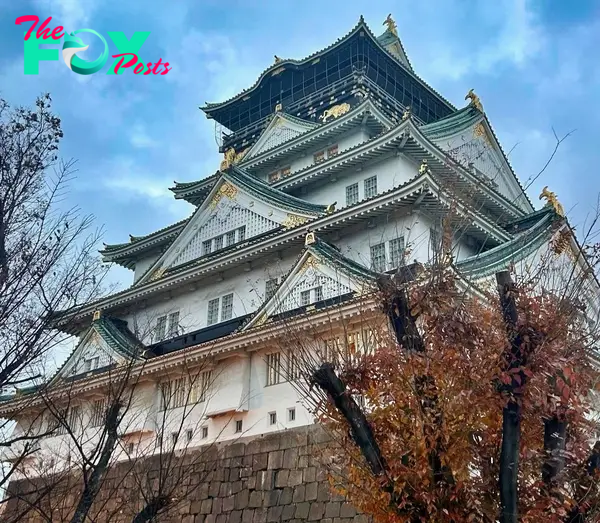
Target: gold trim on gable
{"x": 228, "y": 190}
{"x": 293, "y": 220}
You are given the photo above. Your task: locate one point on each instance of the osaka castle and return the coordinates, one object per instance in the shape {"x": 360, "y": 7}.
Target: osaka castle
{"x": 336, "y": 168}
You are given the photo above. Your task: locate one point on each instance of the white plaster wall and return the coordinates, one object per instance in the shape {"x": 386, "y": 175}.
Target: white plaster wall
{"x": 142, "y": 265}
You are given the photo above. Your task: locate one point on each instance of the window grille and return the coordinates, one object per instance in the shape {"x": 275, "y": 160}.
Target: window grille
{"x": 98, "y": 413}
{"x": 227, "y": 307}
{"x": 206, "y": 247}
{"x": 286, "y": 171}
{"x": 304, "y": 298}
{"x": 292, "y": 414}
{"x": 230, "y": 238}
{"x": 332, "y": 151}
{"x": 238, "y": 426}
{"x": 173, "y": 324}
{"x": 218, "y": 243}
{"x": 273, "y": 177}
{"x": 213, "y": 311}
{"x": 352, "y": 194}
{"x": 378, "y": 257}
{"x": 293, "y": 368}
{"x": 371, "y": 187}
{"x": 396, "y": 252}
{"x": 204, "y": 432}
{"x": 242, "y": 234}
{"x": 272, "y": 418}
{"x": 319, "y": 157}
{"x": 273, "y": 368}
{"x": 318, "y": 294}
{"x": 271, "y": 288}
{"x": 161, "y": 328}
{"x": 189, "y": 434}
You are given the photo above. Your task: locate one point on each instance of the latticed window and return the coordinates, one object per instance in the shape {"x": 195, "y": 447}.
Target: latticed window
{"x": 206, "y": 247}
{"x": 161, "y": 328}
{"x": 274, "y": 176}
{"x": 242, "y": 234}
{"x": 173, "y": 324}
{"x": 286, "y": 171}
{"x": 318, "y": 294}
{"x": 304, "y": 298}
{"x": 98, "y": 413}
{"x": 230, "y": 238}
{"x": 352, "y": 194}
{"x": 70, "y": 420}
{"x": 396, "y": 252}
{"x": 319, "y": 157}
{"x": 213, "y": 311}
{"x": 273, "y": 368}
{"x": 227, "y": 307}
{"x": 332, "y": 151}
{"x": 293, "y": 368}
{"x": 378, "y": 257}
{"x": 371, "y": 187}
{"x": 238, "y": 426}
{"x": 271, "y": 288}
{"x": 218, "y": 243}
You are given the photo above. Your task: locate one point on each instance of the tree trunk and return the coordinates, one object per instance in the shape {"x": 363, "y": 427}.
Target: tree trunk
{"x": 555, "y": 433}
{"x": 509, "y": 462}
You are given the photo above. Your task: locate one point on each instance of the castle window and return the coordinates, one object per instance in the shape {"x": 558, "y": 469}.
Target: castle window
{"x": 230, "y": 238}
{"x": 293, "y": 368}
{"x": 206, "y": 247}
{"x": 352, "y": 194}
{"x": 204, "y": 432}
{"x": 274, "y": 176}
{"x": 304, "y": 298}
{"x": 189, "y": 434}
{"x": 378, "y": 262}
{"x": 173, "y": 324}
{"x": 161, "y": 328}
{"x": 98, "y": 411}
{"x": 318, "y": 294}
{"x": 273, "y": 368}
{"x": 271, "y": 288}
{"x": 227, "y": 307}
{"x": 319, "y": 157}
{"x": 213, "y": 311}
{"x": 241, "y": 234}
{"x": 184, "y": 391}
{"x": 238, "y": 426}
{"x": 371, "y": 187}
{"x": 218, "y": 243}
{"x": 91, "y": 364}
{"x": 167, "y": 326}
{"x": 272, "y": 418}
{"x": 332, "y": 151}
{"x": 286, "y": 171}
{"x": 396, "y": 252}
{"x": 280, "y": 173}
{"x": 174, "y": 438}
{"x": 292, "y": 414}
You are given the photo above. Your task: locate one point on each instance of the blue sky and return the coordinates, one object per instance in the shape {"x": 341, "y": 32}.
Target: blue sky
{"x": 534, "y": 65}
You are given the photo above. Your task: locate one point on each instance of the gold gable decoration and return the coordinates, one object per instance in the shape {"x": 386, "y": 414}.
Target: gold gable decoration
{"x": 310, "y": 263}
{"x": 158, "y": 274}
{"x": 480, "y": 132}
{"x": 475, "y": 100}
{"x": 226, "y": 190}
{"x": 406, "y": 114}
{"x": 392, "y": 27}
{"x": 293, "y": 220}
{"x": 335, "y": 112}
{"x": 552, "y": 201}
{"x": 230, "y": 157}
{"x": 424, "y": 167}
{"x": 97, "y": 315}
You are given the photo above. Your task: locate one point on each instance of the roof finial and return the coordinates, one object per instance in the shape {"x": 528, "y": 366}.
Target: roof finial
{"x": 310, "y": 238}
{"x": 97, "y": 315}
{"x": 278, "y": 107}
{"x": 475, "y": 101}
{"x": 552, "y": 201}
{"x": 277, "y": 59}
{"x": 424, "y": 168}
{"x": 331, "y": 208}
{"x": 407, "y": 113}
{"x": 391, "y": 25}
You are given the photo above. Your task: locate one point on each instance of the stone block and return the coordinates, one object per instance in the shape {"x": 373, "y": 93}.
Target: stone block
{"x": 290, "y": 458}
{"x": 281, "y": 479}
{"x": 303, "y": 461}
{"x": 206, "y": 506}
{"x": 274, "y": 514}
{"x": 222, "y": 518}
{"x": 309, "y": 474}
{"x": 275, "y": 460}
{"x": 260, "y": 515}
{"x": 288, "y": 512}
{"x": 361, "y": 518}
{"x": 299, "y": 494}
{"x": 247, "y": 515}
{"x": 332, "y": 509}
{"x": 265, "y": 480}
{"x": 228, "y": 503}
{"x": 210, "y": 518}
{"x": 271, "y": 498}
{"x": 235, "y": 450}
{"x": 235, "y": 517}
{"x": 214, "y": 488}
{"x": 286, "y": 496}
{"x": 324, "y": 493}
{"x": 260, "y": 461}
{"x": 311, "y": 491}
{"x": 347, "y": 510}
{"x": 295, "y": 478}
{"x": 302, "y": 510}
{"x": 217, "y": 507}
{"x": 241, "y": 499}
{"x": 234, "y": 474}
{"x": 236, "y": 487}
{"x": 195, "y": 507}
{"x": 316, "y": 511}
{"x": 256, "y": 499}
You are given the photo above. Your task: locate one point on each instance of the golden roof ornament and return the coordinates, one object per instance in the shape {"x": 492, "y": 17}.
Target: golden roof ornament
{"x": 475, "y": 101}
{"x": 97, "y": 315}
{"x": 278, "y": 107}
{"x": 335, "y": 112}
{"x": 406, "y": 114}
{"x": 552, "y": 201}
{"x": 331, "y": 208}
{"x": 310, "y": 238}
{"x": 231, "y": 157}
{"x": 391, "y": 25}
{"x": 277, "y": 59}
{"x": 424, "y": 168}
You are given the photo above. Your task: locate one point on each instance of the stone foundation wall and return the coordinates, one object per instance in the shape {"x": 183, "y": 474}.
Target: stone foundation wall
{"x": 277, "y": 477}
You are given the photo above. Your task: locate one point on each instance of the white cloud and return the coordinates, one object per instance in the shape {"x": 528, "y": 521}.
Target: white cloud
{"x": 71, "y": 14}
{"x": 140, "y": 139}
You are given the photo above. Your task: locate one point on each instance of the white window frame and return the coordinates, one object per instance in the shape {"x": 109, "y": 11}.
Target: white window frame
{"x": 379, "y": 259}
{"x": 273, "y": 376}
{"x": 370, "y": 186}
{"x": 352, "y": 194}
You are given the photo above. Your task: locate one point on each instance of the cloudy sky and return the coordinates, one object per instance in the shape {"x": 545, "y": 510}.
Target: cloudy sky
{"x": 534, "y": 65}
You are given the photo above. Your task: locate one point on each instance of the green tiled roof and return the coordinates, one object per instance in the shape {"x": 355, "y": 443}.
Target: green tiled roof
{"x": 173, "y": 228}
{"x": 118, "y": 336}
{"x": 265, "y": 192}
{"x": 336, "y": 259}
{"x": 451, "y": 124}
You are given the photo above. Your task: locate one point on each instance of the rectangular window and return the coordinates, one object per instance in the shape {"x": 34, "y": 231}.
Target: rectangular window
{"x": 230, "y": 237}
{"x": 174, "y": 437}
{"x": 227, "y": 307}
{"x": 273, "y": 368}
{"x": 179, "y": 391}
{"x": 272, "y": 418}
{"x": 238, "y": 426}
{"x": 200, "y": 387}
{"x": 189, "y": 434}
{"x": 242, "y": 234}
{"x": 318, "y": 294}
{"x": 218, "y": 243}
{"x": 286, "y": 171}
{"x": 292, "y": 414}
{"x": 97, "y": 417}
{"x": 273, "y": 177}
{"x": 396, "y": 252}
{"x": 271, "y": 288}
{"x": 159, "y": 442}
{"x": 352, "y": 194}
{"x": 87, "y": 365}
{"x": 319, "y": 157}
{"x": 204, "y": 432}
{"x": 206, "y": 247}
{"x": 371, "y": 187}
{"x": 130, "y": 448}
{"x": 378, "y": 257}
{"x": 213, "y": 311}
{"x": 304, "y": 298}
{"x": 293, "y": 369}
{"x": 435, "y": 241}
{"x": 174, "y": 324}
{"x": 161, "y": 328}
{"x": 332, "y": 151}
